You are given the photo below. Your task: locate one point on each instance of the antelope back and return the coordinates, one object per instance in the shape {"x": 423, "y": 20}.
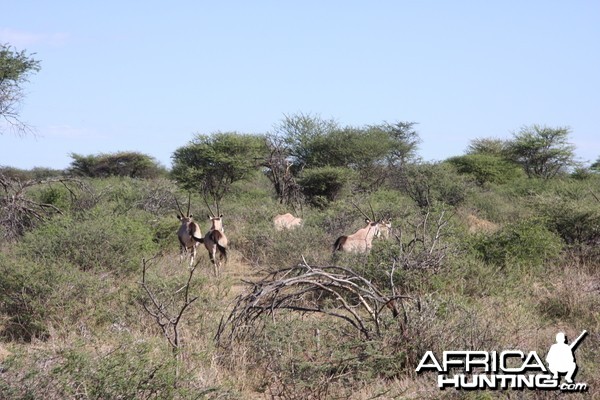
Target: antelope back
{"x": 216, "y": 223}
{"x": 286, "y": 221}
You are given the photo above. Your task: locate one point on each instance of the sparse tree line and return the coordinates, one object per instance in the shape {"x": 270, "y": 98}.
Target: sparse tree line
{"x": 307, "y": 157}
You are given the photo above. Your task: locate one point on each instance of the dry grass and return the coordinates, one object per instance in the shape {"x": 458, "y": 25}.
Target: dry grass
{"x": 475, "y": 224}
{"x": 467, "y": 304}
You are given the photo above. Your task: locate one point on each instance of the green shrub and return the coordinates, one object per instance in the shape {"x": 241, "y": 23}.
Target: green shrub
{"x": 391, "y": 203}
{"x": 37, "y": 295}
{"x": 97, "y": 241}
{"x": 130, "y": 370}
{"x": 56, "y": 196}
{"x": 525, "y": 243}
{"x": 486, "y": 168}
{"x": 24, "y": 287}
{"x": 428, "y": 183}
{"x": 574, "y": 215}
{"x": 497, "y": 206}
{"x": 324, "y": 184}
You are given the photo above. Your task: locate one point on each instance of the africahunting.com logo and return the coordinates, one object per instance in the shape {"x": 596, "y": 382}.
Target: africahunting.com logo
{"x": 508, "y": 369}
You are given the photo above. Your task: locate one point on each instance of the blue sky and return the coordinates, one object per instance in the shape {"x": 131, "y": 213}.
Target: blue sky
{"x": 147, "y": 76}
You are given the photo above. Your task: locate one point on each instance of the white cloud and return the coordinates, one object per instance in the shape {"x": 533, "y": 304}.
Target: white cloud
{"x": 23, "y": 38}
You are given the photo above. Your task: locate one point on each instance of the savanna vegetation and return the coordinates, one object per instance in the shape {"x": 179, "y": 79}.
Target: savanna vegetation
{"x": 494, "y": 249}
{"x": 491, "y": 250}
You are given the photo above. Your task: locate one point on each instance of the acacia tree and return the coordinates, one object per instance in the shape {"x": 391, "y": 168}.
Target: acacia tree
{"x": 300, "y": 130}
{"x": 125, "y": 163}
{"x": 314, "y": 142}
{"x": 15, "y": 68}
{"x": 542, "y": 151}
{"x": 324, "y": 154}
{"x": 404, "y": 141}
{"x": 488, "y": 146}
{"x": 209, "y": 164}
{"x": 486, "y": 168}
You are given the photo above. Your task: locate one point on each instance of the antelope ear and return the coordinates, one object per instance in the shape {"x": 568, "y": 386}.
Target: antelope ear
{"x": 179, "y": 217}
{"x": 191, "y": 216}
{"x": 367, "y": 220}
{"x": 221, "y": 216}
{"x": 208, "y": 215}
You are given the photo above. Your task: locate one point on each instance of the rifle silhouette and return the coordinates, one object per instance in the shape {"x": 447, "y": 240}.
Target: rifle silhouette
{"x": 575, "y": 342}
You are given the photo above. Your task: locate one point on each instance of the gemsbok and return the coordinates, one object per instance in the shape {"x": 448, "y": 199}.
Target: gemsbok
{"x": 286, "y": 221}
{"x": 385, "y": 228}
{"x": 215, "y": 242}
{"x": 189, "y": 233}
{"x": 360, "y": 241}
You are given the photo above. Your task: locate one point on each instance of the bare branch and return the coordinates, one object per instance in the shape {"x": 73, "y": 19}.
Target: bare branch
{"x": 335, "y": 291}
{"x": 19, "y": 211}
{"x": 169, "y": 322}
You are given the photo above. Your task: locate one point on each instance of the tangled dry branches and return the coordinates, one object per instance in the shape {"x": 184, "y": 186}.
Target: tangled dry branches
{"x": 334, "y": 291}
{"x": 423, "y": 245}
{"x": 19, "y": 211}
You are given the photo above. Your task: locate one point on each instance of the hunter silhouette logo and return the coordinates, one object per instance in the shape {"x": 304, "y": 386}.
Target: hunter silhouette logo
{"x": 560, "y": 357}
{"x": 508, "y": 369}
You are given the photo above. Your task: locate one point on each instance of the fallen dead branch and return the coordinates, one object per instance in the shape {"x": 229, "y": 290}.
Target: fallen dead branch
{"x": 19, "y": 211}
{"x": 334, "y": 291}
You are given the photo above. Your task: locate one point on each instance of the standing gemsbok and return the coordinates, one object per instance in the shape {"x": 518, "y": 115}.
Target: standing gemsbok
{"x": 360, "y": 241}
{"x": 286, "y": 221}
{"x": 215, "y": 241}
{"x": 189, "y": 233}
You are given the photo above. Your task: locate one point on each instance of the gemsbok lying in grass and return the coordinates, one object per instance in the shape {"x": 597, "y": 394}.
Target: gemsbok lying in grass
{"x": 286, "y": 221}
{"x": 215, "y": 242}
{"x": 189, "y": 233}
{"x": 359, "y": 242}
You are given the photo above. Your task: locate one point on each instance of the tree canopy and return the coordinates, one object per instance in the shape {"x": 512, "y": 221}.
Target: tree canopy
{"x": 309, "y": 150}
{"x": 209, "y": 164}
{"x": 314, "y": 142}
{"x": 542, "y": 151}
{"x": 131, "y": 164}
{"x": 15, "y": 68}
{"x": 486, "y": 168}
{"x": 488, "y": 146}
